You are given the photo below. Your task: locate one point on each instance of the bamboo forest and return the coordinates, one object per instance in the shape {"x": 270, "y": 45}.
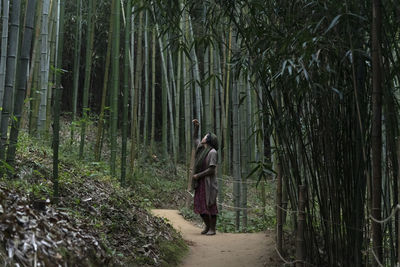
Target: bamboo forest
{"x": 129, "y": 126}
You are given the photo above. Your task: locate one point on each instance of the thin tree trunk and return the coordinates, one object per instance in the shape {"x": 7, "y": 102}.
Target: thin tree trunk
{"x": 125, "y": 106}
{"x": 376, "y": 128}
{"x": 172, "y": 98}
{"x": 211, "y": 119}
{"x": 227, "y": 99}
{"x": 146, "y": 80}
{"x": 236, "y": 151}
{"x": 22, "y": 70}
{"x": 28, "y": 104}
{"x": 44, "y": 69}
{"x": 4, "y": 41}
{"x": 178, "y": 84}
{"x": 88, "y": 69}
{"x": 133, "y": 96}
{"x": 206, "y": 91}
{"x": 166, "y": 95}
{"x": 138, "y": 81}
{"x": 243, "y": 151}
{"x": 153, "y": 89}
{"x": 10, "y": 75}
{"x": 207, "y": 76}
{"x": 57, "y": 98}
{"x": 196, "y": 71}
{"x": 53, "y": 54}
{"x": 187, "y": 100}
{"x": 218, "y": 124}
{"x": 398, "y": 199}
{"x": 77, "y": 60}
{"x": 164, "y": 98}
{"x": 177, "y": 104}
{"x": 115, "y": 87}
{"x": 279, "y": 215}
{"x": 35, "y": 96}
{"x": 100, "y": 127}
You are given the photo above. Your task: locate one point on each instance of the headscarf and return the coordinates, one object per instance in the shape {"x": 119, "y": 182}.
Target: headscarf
{"x": 212, "y": 140}
{"x": 202, "y": 152}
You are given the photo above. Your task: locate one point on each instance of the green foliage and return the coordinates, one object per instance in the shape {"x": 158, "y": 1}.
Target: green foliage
{"x": 5, "y": 168}
{"x": 226, "y": 221}
{"x": 188, "y": 214}
{"x": 79, "y": 181}
{"x": 173, "y": 252}
{"x": 156, "y": 184}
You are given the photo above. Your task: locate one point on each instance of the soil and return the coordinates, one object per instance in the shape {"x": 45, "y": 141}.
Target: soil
{"x": 222, "y": 249}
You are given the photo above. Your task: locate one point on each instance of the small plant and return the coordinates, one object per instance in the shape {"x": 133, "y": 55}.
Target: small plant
{"x": 226, "y": 221}
{"x": 188, "y": 213}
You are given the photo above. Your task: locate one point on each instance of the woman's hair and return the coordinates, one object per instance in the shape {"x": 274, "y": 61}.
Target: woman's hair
{"x": 212, "y": 140}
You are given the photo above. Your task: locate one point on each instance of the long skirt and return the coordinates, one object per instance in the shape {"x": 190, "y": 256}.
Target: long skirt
{"x": 200, "y": 205}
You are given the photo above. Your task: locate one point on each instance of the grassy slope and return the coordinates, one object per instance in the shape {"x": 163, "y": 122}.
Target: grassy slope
{"x": 96, "y": 221}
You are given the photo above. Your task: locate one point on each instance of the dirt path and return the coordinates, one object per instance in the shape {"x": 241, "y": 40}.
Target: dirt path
{"x": 223, "y": 249}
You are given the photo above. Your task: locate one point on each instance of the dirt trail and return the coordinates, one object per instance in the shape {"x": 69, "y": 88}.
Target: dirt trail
{"x": 223, "y": 249}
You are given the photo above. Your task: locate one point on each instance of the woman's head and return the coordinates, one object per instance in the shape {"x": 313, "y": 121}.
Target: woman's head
{"x": 211, "y": 140}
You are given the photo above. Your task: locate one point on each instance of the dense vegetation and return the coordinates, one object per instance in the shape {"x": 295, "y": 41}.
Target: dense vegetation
{"x": 301, "y": 92}
{"x": 96, "y": 222}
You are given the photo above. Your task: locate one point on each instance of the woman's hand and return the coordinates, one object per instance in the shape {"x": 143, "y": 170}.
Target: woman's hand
{"x": 195, "y": 122}
{"x": 209, "y": 171}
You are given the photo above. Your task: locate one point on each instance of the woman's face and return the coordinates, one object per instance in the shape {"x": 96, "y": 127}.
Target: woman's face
{"x": 204, "y": 140}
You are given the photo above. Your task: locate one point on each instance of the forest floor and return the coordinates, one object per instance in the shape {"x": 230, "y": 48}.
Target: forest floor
{"x": 222, "y": 249}
{"x": 96, "y": 222}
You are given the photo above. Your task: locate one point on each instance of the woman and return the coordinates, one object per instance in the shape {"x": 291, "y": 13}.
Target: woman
{"x": 204, "y": 180}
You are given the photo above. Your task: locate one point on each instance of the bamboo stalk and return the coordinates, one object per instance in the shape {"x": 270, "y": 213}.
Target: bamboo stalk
{"x": 146, "y": 80}
{"x": 115, "y": 87}
{"x": 279, "y": 217}
{"x": 398, "y": 198}
{"x": 20, "y": 87}
{"x": 300, "y": 243}
{"x": 226, "y": 100}
{"x": 236, "y": 151}
{"x": 376, "y": 128}
{"x": 88, "y": 71}
{"x": 10, "y": 76}
{"x": 77, "y": 60}
{"x": 44, "y": 68}
{"x": 125, "y": 105}
{"x": 138, "y": 80}
{"x": 97, "y": 147}
{"x": 187, "y": 99}
{"x": 4, "y": 41}
{"x": 54, "y": 29}
{"x": 153, "y": 89}
{"x": 178, "y": 87}
{"x": 57, "y": 98}
{"x": 168, "y": 95}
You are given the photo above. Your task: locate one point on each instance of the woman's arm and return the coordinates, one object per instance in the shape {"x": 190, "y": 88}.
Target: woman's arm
{"x": 207, "y": 172}
{"x": 196, "y": 140}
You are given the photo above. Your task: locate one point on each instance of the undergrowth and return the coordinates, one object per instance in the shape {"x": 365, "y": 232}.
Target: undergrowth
{"x": 96, "y": 205}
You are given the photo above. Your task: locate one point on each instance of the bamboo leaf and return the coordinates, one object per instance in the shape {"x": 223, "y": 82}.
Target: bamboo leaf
{"x": 338, "y": 92}
{"x": 334, "y": 22}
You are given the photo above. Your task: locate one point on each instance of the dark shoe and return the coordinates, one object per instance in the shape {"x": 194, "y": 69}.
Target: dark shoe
{"x": 210, "y": 232}
{"x": 205, "y": 231}
{"x": 206, "y": 220}
{"x": 213, "y": 223}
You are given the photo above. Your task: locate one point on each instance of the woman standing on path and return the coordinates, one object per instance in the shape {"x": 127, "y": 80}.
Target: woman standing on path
{"x": 204, "y": 180}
